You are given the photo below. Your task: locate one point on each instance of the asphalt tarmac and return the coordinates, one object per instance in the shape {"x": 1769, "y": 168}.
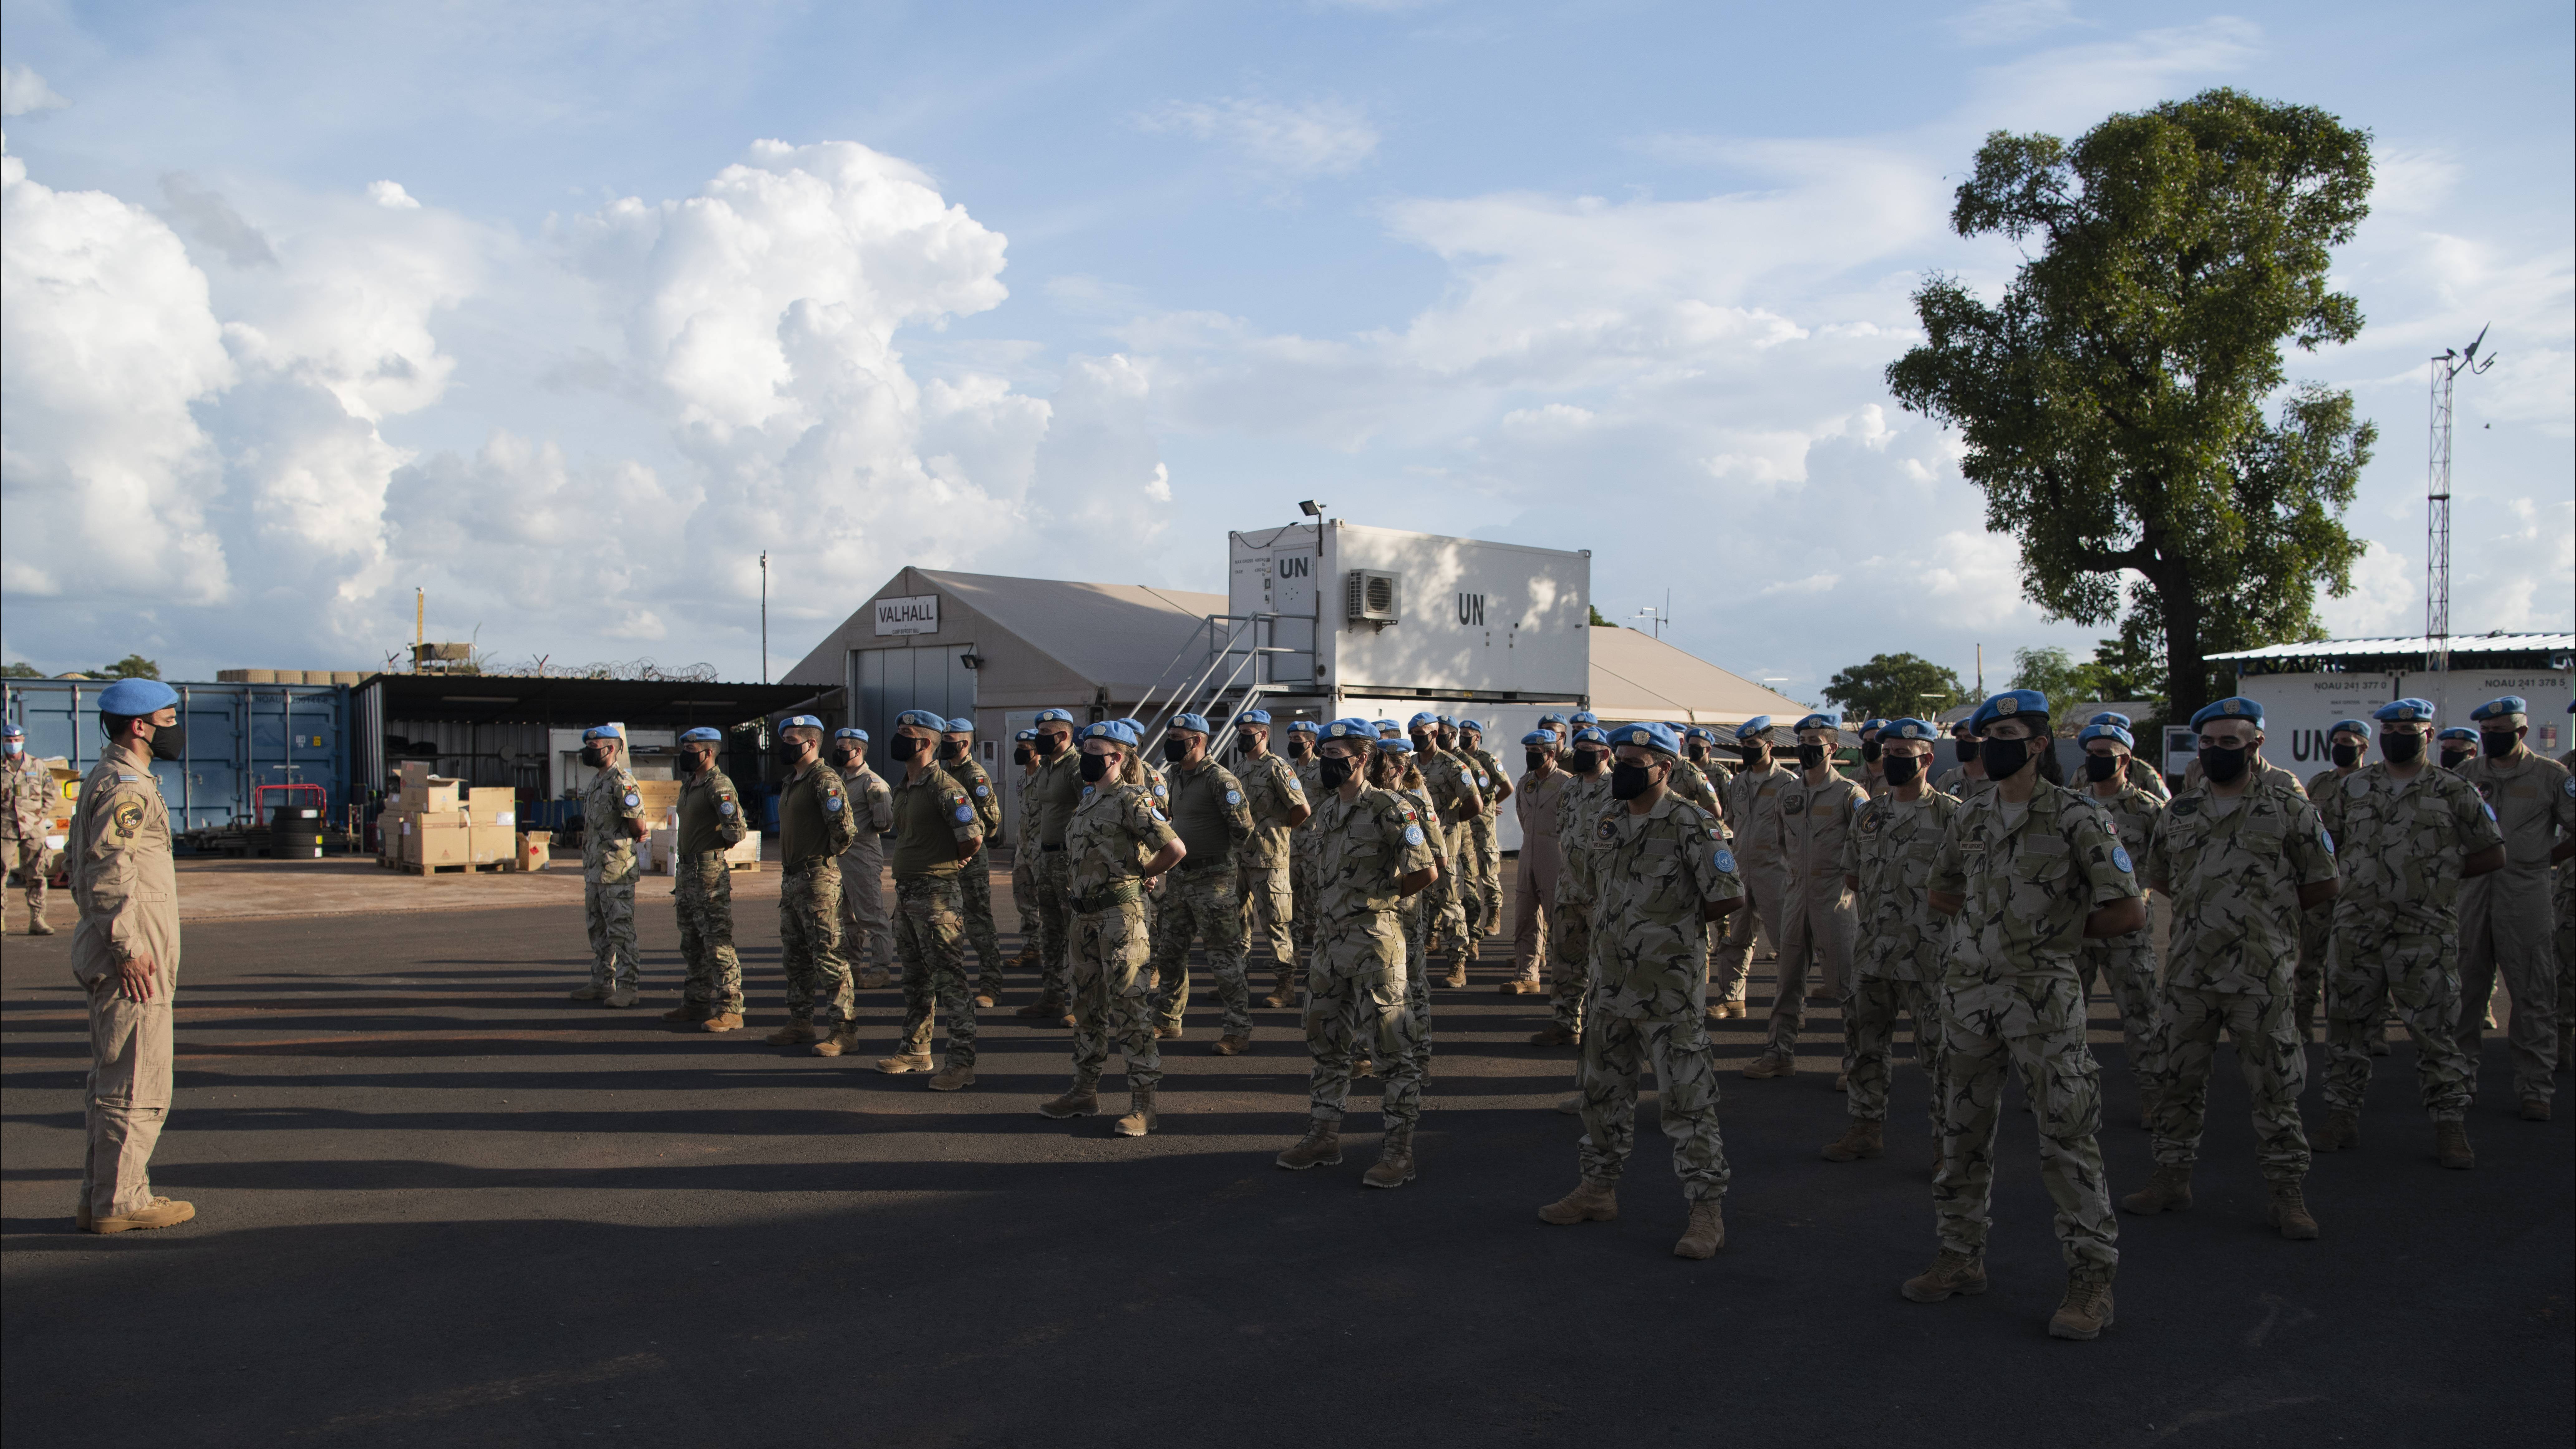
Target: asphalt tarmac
{"x": 440, "y": 1204}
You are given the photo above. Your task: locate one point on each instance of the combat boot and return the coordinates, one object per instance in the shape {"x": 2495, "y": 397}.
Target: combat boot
{"x": 1772, "y": 1064}
{"x": 1512, "y": 987}
{"x": 1457, "y": 970}
{"x": 161, "y": 1212}
{"x": 987, "y": 997}
{"x": 1842, "y": 1081}
{"x": 37, "y": 927}
{"x": 1571, "y": 1106}
{"x": 1320, "y": 1147}
{"x": 872, "y": 978}
{"x": 1394, "y": 1165}
{"x": 1859, "y": 1140}
{"x": 952, "y": 1078}
{"x": 722, "y": 1021}
{"x": 902, "y": 1062}
{"x": 1232, "y": 1044}
{"x": 687, "y": 1011}
{"x": 2451, "y": 1146}
{"x": 1140, "y": 1118}
{"x": 1952, "y": 1272}
{"x": 593, "y": 992}
{"x": 1168, "y": 1031}
{"x": 2535, "y": 1109}
{"x": 1706, "y": 1232}
{"x": 1044, "y": 1006}
{"x": 1553, "y": 1036}
{"x": 1590, "y": 1202}
{"x": 2289, "y": 1212}
{"x": 2342, "y": 1131}
{"x": 1283, "y": 993}
{"x": 841, "y": 1040}
{"x": 1728, "y": 1010}
{"x": 2086, "y": 1309}
{"x": 2169, "y": 1191}
{"x": 799, "y": 1031}
{"x": 1079, "y": 1100}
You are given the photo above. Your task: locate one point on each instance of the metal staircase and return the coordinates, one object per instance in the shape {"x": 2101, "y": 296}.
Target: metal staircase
{"x": 1228, "y": 682}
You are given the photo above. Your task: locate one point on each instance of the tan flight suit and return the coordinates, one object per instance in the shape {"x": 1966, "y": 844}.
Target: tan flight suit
{"x": 2505, "y": 924}
{"x": 127, "y": 893}
{"x": 1817, "y": 914}
{"x": 1542, "y": 861}
{"x": 1762, "y": 857}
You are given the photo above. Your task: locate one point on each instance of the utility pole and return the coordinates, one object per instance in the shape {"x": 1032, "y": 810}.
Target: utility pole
{"x": 1981, "y": 673}
{"x": 419, "y": 625}
{"x": 2437, "y": 502}
{"x": 764, "y": 616}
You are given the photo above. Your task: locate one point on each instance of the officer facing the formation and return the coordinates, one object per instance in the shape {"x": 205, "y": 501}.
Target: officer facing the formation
{"x": 1661, "y": 876}
{"x": 1117, "y": 843}
{"x": 125, "y": 955}
{"x": 938, "y": 839}
{"x": 2126, "y": 965}
{"x": 2030, "y": 871}
{"x": 1301, "y": 867}
{"x": 2347, "y": 750}
{"x": 1046, "y": 807}
{"x": 2505, "y": 921}
{"x": 975, "y": 877}
{"x": 866, "y": 929}
{"x": 1485, "y": 832}
{"x": 1199, "y": 902}
{"x": 26, "y": 819}
{"x": 1264, "y": 874}
{"x": 1887, "y": 862}
{"x": 1534, "y": 803}
{"x": 1453, "y": 790}
{"x": 814, "y": 829}
{"x": 2240, "y": 855}
{"x": 1371, "y": 850}
{"x": 702, "y": 889}
{"x": 1570, "y": 914}
{"x": 2410, "y": 835}
{"x": 1966, "y": 778}
{"x": 612, "y": 820}
{"x": 1753, "y": 813}
{"x": 1816, "y": 924}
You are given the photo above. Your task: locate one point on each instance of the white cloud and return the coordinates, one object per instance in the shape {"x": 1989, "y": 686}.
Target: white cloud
{"x": 23, "y": 92}
{"x": 1314, "y": 138}
{"x": 391, "y": 196}
{"x": 2001, "y": 22}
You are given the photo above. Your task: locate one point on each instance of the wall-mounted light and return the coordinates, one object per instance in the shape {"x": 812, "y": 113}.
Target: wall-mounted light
{"x": 1312, "y": 509}
{"x": 971, "y": 660}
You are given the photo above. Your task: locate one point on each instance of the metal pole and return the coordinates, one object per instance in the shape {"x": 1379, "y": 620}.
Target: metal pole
{"x": 187, "y": 783}
{"x": 2437, "y": 522}
{"x": 764, "y": 616}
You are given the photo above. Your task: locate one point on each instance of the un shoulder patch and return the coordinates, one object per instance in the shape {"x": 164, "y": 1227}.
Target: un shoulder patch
{"x": 2120, "y": 858}
{"x": 1413, "y": 835}
{"x": 633, "y": 799}
{"x": 724, "y": 807}
{"x": 1234, "y": 797}
{"x": 1160, "y": 818}
{"x": 831, "y": 804}
{"x": 964, "y": 813}
{"x": 1724, "y": 859}
{"x": 983, "y": 789}
{"x": 2490, "y": 809}
{"x": 1089, "y": 789}
{"x": 2328, "y": 837}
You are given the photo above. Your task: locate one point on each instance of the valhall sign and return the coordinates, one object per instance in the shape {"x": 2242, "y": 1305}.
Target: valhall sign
{"x": 916, "y": 615}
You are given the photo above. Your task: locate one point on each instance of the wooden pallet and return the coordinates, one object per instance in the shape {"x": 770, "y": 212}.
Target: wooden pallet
{"x": 493, "y": 867}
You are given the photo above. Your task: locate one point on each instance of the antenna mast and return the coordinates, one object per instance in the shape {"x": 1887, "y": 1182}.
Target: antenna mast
{"x": 2437, "y": 502}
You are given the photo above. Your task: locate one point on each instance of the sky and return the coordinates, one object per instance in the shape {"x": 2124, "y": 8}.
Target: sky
{"x": 565, "y": 314}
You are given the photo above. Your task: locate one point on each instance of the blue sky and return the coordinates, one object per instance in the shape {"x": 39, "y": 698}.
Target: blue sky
{"x": 310, "y": 305}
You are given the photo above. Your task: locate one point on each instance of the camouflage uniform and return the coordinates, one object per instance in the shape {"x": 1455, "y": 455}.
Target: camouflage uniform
{"x": 975, "y": 877}
{"x": 2505, "y": 923}
{"x": 1114, "y": 831}
{"x": 2316, "y": 924}
{"x": 1653, "y": 876}
{"x": 866, "y": 930}
{"x": 2126, "y": 965}
{"x": 126, "y": 890}
{"x": 2145, "y": 777}
{"x": 1958, "y": 782}
{"x": 1542, "y": 862}
{"x": 932, "y": 817}
{"x": 1485, "y": 841}
{"x": 608, "y": 871}
{"x": 1452, "y": 784}
{"x": 1570, "y": 918}
{"x": 1262, "y": 876}
{"x": 1046, "y": 806}
{"x": 1817, "y": 921}
{"x": 26, "y": 818}
{"x": 2397, "y": 928}
{"x": 1415, "y": 918}
{"x": 1301, "y": 881}
{"x": 1761, "y": 844}
{"x": 2234, "y": 869}
{"x": 1199, "y": 900}
{"x": 1890, "y": 850}
{"x": 1356, "y": 979}
{"x": 2563, "y": 908}
{"x": 814, "y": 827}
{"x": 2029, "y": 876}
{"x": 702, "y": 894}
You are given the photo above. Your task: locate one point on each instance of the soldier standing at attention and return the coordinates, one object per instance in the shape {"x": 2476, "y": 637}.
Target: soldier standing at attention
{"x": 1699, "y": 751}
{"x": 866, "y": 928}
{"x": 975, "y": 877}
{"x": 2239, "y": 854}
{"x": 1046, "y": 806}
{"x": 2136, "y": 771}
{"x": 2030, "y": 871}
{"x": 1815, "y": 817}
{"x": 1371, "y": 851}
{"x": 125, "y": 955}
{"x": 1967, "y": 778}
{"x": 2563, "y": 902}
{"x": 814, "y": 828}
{"x": 1391, "y": 769}
{"x": 612, "y": 820}
{"x": 1199, "y": 900}
{"x": 1570, "y": 914}
{"x": 26, "y": 818}
{"x": 937, "y": 838}
{"x": 1278, "y": 802}
{"x": 1024, "y": 858}
{"x": 1485, "y": 831}
{"x": 1690, "y": 781}
{"x": 1663, "y": 876}
{"x": 1453, "y": 789}
{"x": 1116, "y": 844}
{"x": 1301, "y": 867}
{"x": 1542, "y": 861}
{"x": 2411, "y": 834}
{"x": 2505, "y": 920}
{"x": 2458, "y": 746}
{"x": 1762, "y": 858}
{"x": 1887, "y": 862}
{"x": 2347, "y": 748}
{"x": 1872, "y": 778}
{"x": 2126, "y": 965}
{"x": 702, "y": 889}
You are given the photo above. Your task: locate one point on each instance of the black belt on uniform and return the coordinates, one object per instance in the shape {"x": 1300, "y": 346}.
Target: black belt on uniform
{"x": 1087, "y": 902}
{"x": 1050, "y": 849}
{"x": 1194, "y": 863}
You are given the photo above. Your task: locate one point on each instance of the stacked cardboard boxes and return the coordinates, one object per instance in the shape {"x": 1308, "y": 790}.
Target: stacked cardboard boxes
{"x": 438, "y": 821}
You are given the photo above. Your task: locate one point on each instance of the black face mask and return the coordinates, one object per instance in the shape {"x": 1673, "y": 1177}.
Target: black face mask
{"x": 1811, "y": 756}
{"x": 1175, "y": 751}
{"x": 845, "y": 759}
{"x": 787, "y": 751}
{"x": 2498, "y": 745}
{"x": 590, "y": 756}
{"x": 2345, "y": 756}
{"x": 1297, "y": 747}
{"x": 1422, "y": 744}
{"x": 1336, "y": 771}
{"x": 2402, "y": 749}
{"x": 1537, "y": 758}
{"x": 1244, "y": 744}
{"x": 2454, "y": 759}
{"x": 952, "y": 749}
{"x": 2003, "y": 758}
{"x": 1627, "y": 781}
{"x": 169, "y": 742}
{"x": 1095, "y": 768}
{"x": 1699, "y": 754}
{"x": 1964, "y": 750}
{"x": 1022, "y": 758}
{"x": 2222, "y": 764}
{"x": 2099, "y": 768}
{"x": 1047, "y": 746}
{"x": 1586, "y": 761}
{"x": 1869, "y": 752}
{"x": 1903, "y": 769}
{"x": 909, "y": 747}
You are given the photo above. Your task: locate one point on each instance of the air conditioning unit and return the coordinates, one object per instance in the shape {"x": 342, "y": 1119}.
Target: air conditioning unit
{"x": 1375, "y": 598}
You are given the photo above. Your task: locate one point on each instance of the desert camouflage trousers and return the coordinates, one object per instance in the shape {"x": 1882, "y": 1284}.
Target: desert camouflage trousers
{"x": 2126, "y": 967}
{"x": 2065, "y": 1085}
{"x": 1872, "y": 1012}
{"x": 1113, "y": 996}
{"x": 608, "y": 910}
{"x": 1269, "y": 908}
{"x": 1446, "y": 900}
{"x": 32, "y": 860}
{"x": 809, "y": 944}
{"x": 867, "y": 932}
{"x": 1569, "y": 956}
{"x": 1482, "y": 865}
{"x": 975, "y": 911}
{"x": 2270, "y": 1050}
{"x": 702, "y": 897}
{"x": 2308, "y": 983}
{"x": 2563, "y": 908}
{"x": 1355, "y": 988}
{"x": 1200, "y": 906}
{"x": 2377, "y": 964}
{"x": 1417, "y": 984}
{"x": 1301, "y": 921}
{"x": 1054, "y": 872}
{"x": 1617, "y": 1050}
{"x": 1731, "y": 964}
{"x": 930, "y": 941}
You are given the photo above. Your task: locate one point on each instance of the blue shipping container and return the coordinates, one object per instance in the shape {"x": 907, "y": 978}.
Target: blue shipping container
{"x": 240, "y": 736}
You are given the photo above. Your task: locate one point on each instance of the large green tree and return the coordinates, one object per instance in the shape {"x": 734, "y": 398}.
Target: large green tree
{"x": 1895, "y": 686}
{"x": 2124, "y": 404}
{"x": 132, "y": 666}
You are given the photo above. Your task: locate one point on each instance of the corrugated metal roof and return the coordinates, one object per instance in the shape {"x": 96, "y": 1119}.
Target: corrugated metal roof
{"x": 1638, "y": 676}
{"x": 1121, "y": 636}
{"x": 2468, "y": 644}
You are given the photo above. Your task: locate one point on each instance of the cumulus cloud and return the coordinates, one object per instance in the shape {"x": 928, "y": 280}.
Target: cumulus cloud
{"x": 2002, "y": 22}
{"x": 1313, "y": 138}
{"x": 205, "y": 215}
{"x": 391, "y": 196}
{"x": 22, "y": 92}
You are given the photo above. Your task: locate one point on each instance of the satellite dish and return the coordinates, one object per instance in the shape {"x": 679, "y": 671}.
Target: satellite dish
{"x": 2482, "y": 336}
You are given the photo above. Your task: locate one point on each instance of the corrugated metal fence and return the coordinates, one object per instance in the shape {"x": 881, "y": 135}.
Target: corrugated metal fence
{"x": 240, "y": 736}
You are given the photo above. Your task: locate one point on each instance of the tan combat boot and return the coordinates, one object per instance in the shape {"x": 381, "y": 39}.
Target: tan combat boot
{"x": 593, "y": 992}
{"x": 1706, "y": 1232}
{"x": 1320, "y": 1147}
{"x": 687, "y": 1011}
{"x": 161, "y": 1212}
{"x": 1140, "y": 1118}
{"x": 1571, "y": 1106}
{"x": 1842, "y": 1081}
{"x": 952, "y": 1078}
{"x": 1951, "y": 1272}
{"x": 873, "y": 977}
{"x": 1772, "y": 1064}
{"x": 37, "y": 927}
{"x": 841, "y": 1040}
{"x": 2169, "y": 1191}
{"x": 722, "y": 1021}
{"x": 2451, "y": 1146}
{"x": 1232, "y": 1044}
{"x": 1859, "y": 1140}
{"x": 987, "y": 997}
{"x": 1394, "y": 1165}
{"x": 900, "y": 1062}
{"x": 1553, "y": 1036}
{"x": 1079, "y": 1100}
{"x": 2289, "y": 1212}
{"x": 799, "y": 1031}
{"x": 1168, "y": 1031}
{"x": 2342, "y": 1131}
{"x": 2535, "y": 1109}
{"x": 1509, "y": 988}
{"x": 2086, "y": 1309}
{"x": 1283, "y": 992}
{"x": 1590, "y": 1202}
{"x": 621, "y": 996}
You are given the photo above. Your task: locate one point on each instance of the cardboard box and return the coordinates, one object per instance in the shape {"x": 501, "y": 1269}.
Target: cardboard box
{"x": 536, "y": 850}
{"x": 491, "y": 844}
{"x": 415, "y": 773}
{"x": 434, "y": 845}
{"x": 441, "y": 819}
{"x": 745, "y": 851}
{"x": 661, "y": 797}
{"x": 492, "y": 805}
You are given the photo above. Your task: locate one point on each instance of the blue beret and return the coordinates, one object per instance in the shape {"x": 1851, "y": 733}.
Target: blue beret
{"x": 1303, "y": 727}
{"x": 1908, "y": 728}
{"x": 1352, "y": 728}
{"x": 1054, "y": 716}
{"x": 137, "y": 697}
{"x": 1444, "y": 719}
{"x": 921, "y": 719}
{"x": 595, "y": 732}
{"x": 1586, "y": 717}
{"x": 1547, "y": 719}
{"x": 2011, "y": 704}
{"x": 2094, "y": 732}
{"x": 1818, "y": 722}
{"x": 2458, "y": 732}
{"x": 1253, "y": 716}
{"x": 2112, "y": 717}
{"x": 851, "y": 734}
{"x": 1647, "y": 737}
{"x": 1425, "y": 717}
{"x": 2235, "y": 706}
{"x": 1694, "y": 732}
{"x": 1133, "y": 723}
{"x": 1194, "y": 723}
{"x": 2350, "y": 726}
{"x": 960, "y": 726}
{"x": 13, "y": 731}
{"x": 794, "y": 720}
{"x": 1539, "y": 737}
{"x": 2499, "y": 708}
{"x": 1397, "y": 746}
{"x": 1025, "y": 736}
{"x": 1868, "y": 725}
{"x": 1590, "y": 735}
{"x": 1752, "y": 727}
{"x": 702, "y": 736}
{"x": 2404, "y": 711}
{"x": 1386, "y": 727}
{"x": 1116, "y": 731}
{"x": 1470, "y": 724}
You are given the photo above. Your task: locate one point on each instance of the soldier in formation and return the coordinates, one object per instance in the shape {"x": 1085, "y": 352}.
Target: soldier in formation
{"x": 1047, "y": 802}
{"x": 975, "y": 877}
{"x": 612, "y": 821}
{"x": 1264, "y": 873}
{"x": 1967, "y": 773}
{"x": 1392, "y": 769}
{"x": 814, "y": 828}
{"x": 1452, "y": 783}
{"x": 1307, "y": 764}
{"x": 2347, "y": 750}
{"x": 1484, "y": 833}
{"x": 711, "y": 823}
{"x": 1569, "y": 938}
{"x": 1024, "y": 859}
{"x": 938, "y": 840}
{"x": 866, "y": 929}
{"x": 1760, "y": 786}
{"x": 2506, "y": 920}
{"x": 2563, "y": 899}
{"x": 1534, "y": 804}
{"x": 1116, "y": 843}
{"x": 1201, "y": 901}
{"x": 1814, "y": 818}
{"x": 1887, "y": 864}
{"x": 27, "y": 800}
{"x": 2125, "y": 966}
